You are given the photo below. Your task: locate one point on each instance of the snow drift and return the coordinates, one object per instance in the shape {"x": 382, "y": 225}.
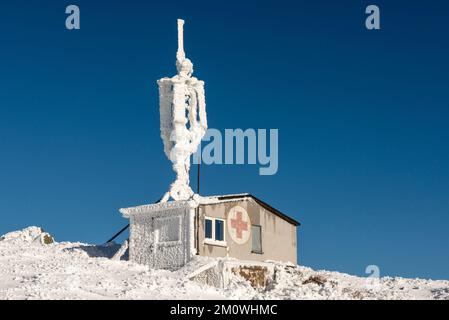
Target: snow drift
{"x": 33, "y": 267}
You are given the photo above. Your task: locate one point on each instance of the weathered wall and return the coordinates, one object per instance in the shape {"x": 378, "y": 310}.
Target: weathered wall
{"x": 220, "y": 272}
{"x": 278, "y": 235}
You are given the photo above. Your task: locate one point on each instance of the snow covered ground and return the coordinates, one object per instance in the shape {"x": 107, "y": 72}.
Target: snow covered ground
{"x": 33, "y": 268}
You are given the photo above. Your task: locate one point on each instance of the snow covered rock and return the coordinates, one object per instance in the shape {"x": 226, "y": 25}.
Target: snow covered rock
{"x": 29, "y": 235}
{"x": 66, "y": 270}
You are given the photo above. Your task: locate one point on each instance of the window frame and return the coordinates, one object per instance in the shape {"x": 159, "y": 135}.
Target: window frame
{"x": 211, "y": 228}
{"x": 213, "y": 241}
{"x": 260, "y": 239}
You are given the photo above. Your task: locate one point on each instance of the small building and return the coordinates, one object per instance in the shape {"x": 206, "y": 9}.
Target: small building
{"x": 167, "y": 235}
{"x": 244, "y": 227}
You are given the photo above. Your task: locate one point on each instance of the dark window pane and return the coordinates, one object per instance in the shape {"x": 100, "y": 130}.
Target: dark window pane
{"x": 257, "y": 239}
{"x": 208, "y": 229}
{"x": 219, "y": 230}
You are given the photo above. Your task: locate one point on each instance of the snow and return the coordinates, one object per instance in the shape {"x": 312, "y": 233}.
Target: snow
{"x": 228, "y": 198}
{"x": 31, "y": 269}
{"x": 27, "y": 235}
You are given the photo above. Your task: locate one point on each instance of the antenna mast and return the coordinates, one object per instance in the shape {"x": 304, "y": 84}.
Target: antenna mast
{"x": 180, "y": 55}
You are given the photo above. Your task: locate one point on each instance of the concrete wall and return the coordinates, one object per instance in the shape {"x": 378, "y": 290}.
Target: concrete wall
{"x": 278, "y": 235}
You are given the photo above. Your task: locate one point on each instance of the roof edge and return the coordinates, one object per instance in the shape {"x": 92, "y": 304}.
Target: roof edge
{"x": 262, "y": 204}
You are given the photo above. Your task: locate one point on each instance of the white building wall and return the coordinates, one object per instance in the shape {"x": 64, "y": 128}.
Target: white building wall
{"x": 161, "y": 235}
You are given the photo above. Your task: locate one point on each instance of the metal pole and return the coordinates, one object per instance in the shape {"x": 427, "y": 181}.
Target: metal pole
{"x": 118, "y": 233}
{"x": 198, "y": 178}
{"x": 197, "y": 218}
{"x": 124, "y": 228}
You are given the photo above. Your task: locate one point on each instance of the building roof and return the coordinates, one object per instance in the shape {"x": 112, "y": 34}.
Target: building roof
{"x": 241, "y": 196}
{"x": 126, "y": 212}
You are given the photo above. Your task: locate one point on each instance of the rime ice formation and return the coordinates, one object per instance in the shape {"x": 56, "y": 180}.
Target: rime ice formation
{"x": 67, "y": 270}
{"x": 181, "y": 134}
{"x": 161, "y": 235}
{"x": 29, "y": 235}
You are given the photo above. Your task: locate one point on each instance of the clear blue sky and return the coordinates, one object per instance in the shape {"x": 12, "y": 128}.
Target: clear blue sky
{"x": 362, "y": 118}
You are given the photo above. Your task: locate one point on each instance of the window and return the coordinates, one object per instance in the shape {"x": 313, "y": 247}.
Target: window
{"x": 256, "y": 231}
{"x": 219, "y": 230}
{"x": 208, "y": 229}
{"x": 169, "y": 229}
{"x": 214, "y": 231}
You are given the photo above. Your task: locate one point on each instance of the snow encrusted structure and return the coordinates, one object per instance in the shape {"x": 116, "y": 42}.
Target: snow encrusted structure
{"x": 161, "y": 235}
{"x": 181, "y": 134}
{"x": 221, "y": 272}
{"x": 73, "y": 270}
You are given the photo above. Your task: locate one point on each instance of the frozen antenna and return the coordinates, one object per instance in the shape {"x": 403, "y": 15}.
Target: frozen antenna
{"x": 182, "y": 108}
{"x": 180, "y": 55}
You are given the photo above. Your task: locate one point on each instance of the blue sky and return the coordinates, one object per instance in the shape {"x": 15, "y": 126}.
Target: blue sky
{"x": 362, "y": 118}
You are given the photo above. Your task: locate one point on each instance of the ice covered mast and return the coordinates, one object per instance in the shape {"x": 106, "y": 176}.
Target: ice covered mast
{"x": 181, "y": 102}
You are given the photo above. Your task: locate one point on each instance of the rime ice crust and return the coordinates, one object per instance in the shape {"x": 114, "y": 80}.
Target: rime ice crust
{"x": 181, "y": 134}
{"x": 28, "y": 235}
{"x": 63, "y": 270}
{"x": 162, "y": 235}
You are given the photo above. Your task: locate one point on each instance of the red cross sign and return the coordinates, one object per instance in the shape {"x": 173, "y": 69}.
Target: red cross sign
{"x": 239, "y": 224}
